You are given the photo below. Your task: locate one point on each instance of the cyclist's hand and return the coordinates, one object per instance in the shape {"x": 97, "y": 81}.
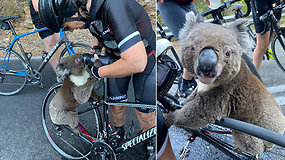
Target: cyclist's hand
{"x": 169, "y": 119}
{"x": 96, "y": 66}
{"x": 96, "y": 49}
{"x": 160, "y": 1}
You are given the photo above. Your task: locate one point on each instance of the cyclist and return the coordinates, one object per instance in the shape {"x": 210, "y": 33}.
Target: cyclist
{"x": 173, "y": 15}
{"x": 49, "y": 37}
{"x": 124, "y": 29}
{"x": 164, "y": 149}
{"x": 259, "y": 8}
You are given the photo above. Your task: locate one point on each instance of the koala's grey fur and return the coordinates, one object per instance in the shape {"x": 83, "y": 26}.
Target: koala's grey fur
{"x": 235, "y": 91}
{"x": 76, "y": 89}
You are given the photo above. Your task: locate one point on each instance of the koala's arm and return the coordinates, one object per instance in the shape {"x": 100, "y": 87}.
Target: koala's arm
{"x": 82, "y": 93}
{"x": 195, "y": 114}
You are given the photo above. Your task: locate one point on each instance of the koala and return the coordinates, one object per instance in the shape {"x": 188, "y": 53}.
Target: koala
{"x": 76, "y": 89}
{"x": 226, "y": 87}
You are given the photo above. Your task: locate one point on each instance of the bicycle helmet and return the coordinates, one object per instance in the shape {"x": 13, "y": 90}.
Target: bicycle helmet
{"x": 53, "y": 12}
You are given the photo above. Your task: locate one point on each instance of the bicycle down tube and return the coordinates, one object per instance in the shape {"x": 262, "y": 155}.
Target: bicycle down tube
{"x": 63, "y": 39}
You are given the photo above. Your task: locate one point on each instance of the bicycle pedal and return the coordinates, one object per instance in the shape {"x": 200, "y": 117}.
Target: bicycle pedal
{"x": 184, "y": 152}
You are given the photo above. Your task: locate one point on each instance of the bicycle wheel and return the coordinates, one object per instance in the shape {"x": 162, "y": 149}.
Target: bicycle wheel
{"x": 62, "y": 138}
{"x": 278, "y": 44}
{"x": 13, "y": 77}
{"x": 77, "y": 48}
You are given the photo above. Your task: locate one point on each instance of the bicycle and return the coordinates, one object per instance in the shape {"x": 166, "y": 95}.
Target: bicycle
{"x": 271, "y": 22}
{"x": 219, "y": 134}
{"x": 16, "y": 70}
{"x": 94, "y": 142}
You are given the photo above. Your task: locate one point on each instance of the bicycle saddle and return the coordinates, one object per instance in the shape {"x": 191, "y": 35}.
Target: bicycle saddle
{"x": 237, "y": 6}
{"x": 8, "y": 18}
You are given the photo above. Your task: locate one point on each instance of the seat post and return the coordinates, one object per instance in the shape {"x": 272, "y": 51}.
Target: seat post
{"x": 12, "y": 28}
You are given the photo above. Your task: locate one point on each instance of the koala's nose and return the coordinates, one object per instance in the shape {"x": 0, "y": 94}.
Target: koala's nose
{"x": 207, "y": 63}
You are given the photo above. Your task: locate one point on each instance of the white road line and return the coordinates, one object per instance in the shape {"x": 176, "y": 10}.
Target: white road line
{"x": 276, "y": 89}
{"x": 280, "y": 100}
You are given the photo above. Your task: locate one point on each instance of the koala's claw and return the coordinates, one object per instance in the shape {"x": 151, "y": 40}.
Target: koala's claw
{"x": 237, "y": 150}
{"x": 191, "y": 96}
{"x": 77, "y": 130}
{"x": 169, "y": 119}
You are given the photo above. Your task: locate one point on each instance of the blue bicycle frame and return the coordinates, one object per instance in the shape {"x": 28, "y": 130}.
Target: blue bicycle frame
{"x": 62, "y": 39}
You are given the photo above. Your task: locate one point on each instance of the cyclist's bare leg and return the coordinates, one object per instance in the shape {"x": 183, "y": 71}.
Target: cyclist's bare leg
{"x": 118, "y": 115}
{"x": 49, "y": 42}
{"x": 168, "y": 153}
{"x": 186, "y": 75}
{"x": 147, "y": 120}
{"x": 261, "y": 46}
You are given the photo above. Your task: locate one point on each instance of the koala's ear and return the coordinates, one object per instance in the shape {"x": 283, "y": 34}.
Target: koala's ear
{"x": 239, "y": 26}
{"x": 190, "y": 21}
{"x": 61, "y": 72}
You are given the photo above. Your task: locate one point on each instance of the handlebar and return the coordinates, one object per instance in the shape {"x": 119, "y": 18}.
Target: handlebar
{"x": 89, "y": 60}
{"x": 269, "y": 18}
{"x": 225, "y": 5}
{"x": 265, "y": 17}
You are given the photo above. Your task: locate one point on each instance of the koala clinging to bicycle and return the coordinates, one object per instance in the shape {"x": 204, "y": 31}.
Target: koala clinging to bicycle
{"x": 226, "y": 87}
{"x": 76, "y": 89}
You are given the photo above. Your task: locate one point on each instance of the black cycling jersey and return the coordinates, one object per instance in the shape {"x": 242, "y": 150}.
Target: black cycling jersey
{"x": 118, "y": 25}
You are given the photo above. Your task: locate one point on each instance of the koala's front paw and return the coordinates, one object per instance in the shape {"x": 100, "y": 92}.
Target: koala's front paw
{"x": 77, "y": 130}
{"x": 190, "y": 97}
{"x": 169, "y": 119}
{"x": 92, "y": 79}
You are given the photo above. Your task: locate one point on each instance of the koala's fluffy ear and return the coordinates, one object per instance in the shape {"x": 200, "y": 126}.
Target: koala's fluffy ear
{"x": 190, "y": 21}
{"x": 239, "y": 27}
{"x": 61, "y": 71}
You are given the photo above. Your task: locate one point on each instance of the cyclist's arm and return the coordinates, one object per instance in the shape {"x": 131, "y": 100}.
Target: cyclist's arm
{"x": 35, "y": 4}
{"x": 133, "y": 55}
{"x": 133, "y": 60}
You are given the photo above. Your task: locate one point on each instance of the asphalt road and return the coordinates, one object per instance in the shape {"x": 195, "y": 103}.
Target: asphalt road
{"x": 274, "y": 79}
{"x": 21, "y": 133}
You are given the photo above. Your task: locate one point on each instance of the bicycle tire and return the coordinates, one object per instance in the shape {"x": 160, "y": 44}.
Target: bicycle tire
{"x": 251, "y": 66}
{"x": 16, "y": 77}
{"x": 75, "y": 47}
{"x": 279, "y": 57}
{"x": 64, "y": 140}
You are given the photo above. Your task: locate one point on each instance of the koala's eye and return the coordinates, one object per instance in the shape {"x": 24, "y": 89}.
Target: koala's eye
{"x": 228, "y": 53}
{"x": 77, "y": 60}
{"x": 192, "y": 48}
